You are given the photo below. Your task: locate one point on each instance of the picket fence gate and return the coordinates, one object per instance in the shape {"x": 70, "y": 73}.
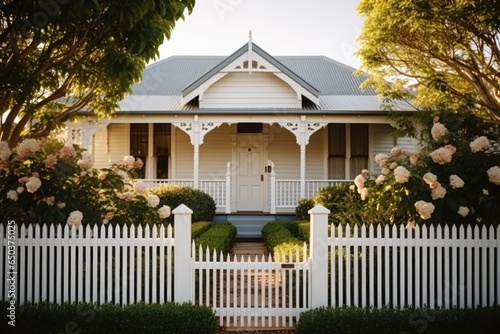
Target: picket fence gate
{"x": 362, "y": 266}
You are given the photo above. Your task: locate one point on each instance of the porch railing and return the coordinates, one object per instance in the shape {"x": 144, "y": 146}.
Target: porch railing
{"x": 284, "y": 193}
{"x": 288, "y": 191}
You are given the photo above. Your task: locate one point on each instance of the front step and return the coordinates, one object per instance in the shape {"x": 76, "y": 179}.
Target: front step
{"x": 249, "y": 225}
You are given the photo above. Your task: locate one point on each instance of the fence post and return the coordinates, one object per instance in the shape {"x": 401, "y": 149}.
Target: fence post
{"x": 183, "y": 274}
{"x": 273, "y": 188}
{"x": 319, "y": 255}
{"x": 228, "y": 188}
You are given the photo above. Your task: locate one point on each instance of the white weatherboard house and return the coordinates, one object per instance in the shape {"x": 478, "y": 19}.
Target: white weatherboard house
{"x": 256, "y": 132}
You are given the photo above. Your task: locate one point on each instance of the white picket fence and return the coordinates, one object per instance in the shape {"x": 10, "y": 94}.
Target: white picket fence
{"x": 99, "y": 265}
{"x": 422, "y": 266}
{"x": 365, "y": 266}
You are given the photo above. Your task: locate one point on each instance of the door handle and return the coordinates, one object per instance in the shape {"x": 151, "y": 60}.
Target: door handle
{"x": 262, "y": 177}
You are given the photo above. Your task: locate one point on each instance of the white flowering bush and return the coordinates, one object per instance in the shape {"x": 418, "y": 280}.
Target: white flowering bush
{"x": 455, "y": 178}
{"x": 52, "y": 183}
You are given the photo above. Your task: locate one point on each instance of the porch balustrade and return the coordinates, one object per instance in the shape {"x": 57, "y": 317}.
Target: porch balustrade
{"x": 284, "y": 194}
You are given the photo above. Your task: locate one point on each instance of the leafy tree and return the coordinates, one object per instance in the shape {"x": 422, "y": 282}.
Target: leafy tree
{"x": 59, "y": 56}
{"x": 449, "y": 50}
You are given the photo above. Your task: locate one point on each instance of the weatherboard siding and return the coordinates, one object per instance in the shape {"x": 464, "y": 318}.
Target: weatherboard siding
{"x": 215, "y": 153}
{"x": 110, "y": 146}
{"x": 244, "y": 90}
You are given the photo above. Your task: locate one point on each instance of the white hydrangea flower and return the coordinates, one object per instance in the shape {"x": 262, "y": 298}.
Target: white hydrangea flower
{"x": 164, "y": 211}
{"x": 456, "y": 182}
{"x": 86, "y": 162}
{"x": 438, "y": 130}
{"x": 12, "y": 195}
{"x": 479, "y": 144}
{"x": 5, "y": 151}
{"x": 401, "y": 174}
{"x": 438, "y": 193}
{"x": 153, "y": 201}
{"x": 424, "y": 209}
{"x": 430, "y": 178}
{"x": 128, "y": 162}
{"x": 140, "y": 187}
{"x": 359, "y": 181}
{"x": 27, "y": 148}
{"x": 380, "y": 179}
{"x": 463, "y": 211}
{"x": 381, "y": 159}
{"x": 50, "y": 200}
{"x": 33, "y": 184}
{"x": 75, "y": 218}
{"x": 128, "y": 196}
{"x": 494, "y": 175}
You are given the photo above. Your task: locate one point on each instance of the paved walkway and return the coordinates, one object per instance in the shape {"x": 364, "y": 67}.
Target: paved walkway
{"x": 250, "y": 248}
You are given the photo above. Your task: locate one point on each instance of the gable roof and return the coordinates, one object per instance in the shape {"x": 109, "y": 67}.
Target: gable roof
{"x": 246, "y": 48}
{"x": 335, "y": 84}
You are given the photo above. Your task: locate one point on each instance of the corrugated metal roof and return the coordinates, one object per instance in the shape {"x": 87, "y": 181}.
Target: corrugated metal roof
{"x": 337, "y": 85}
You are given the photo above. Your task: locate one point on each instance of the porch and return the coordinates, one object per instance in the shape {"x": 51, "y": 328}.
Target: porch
{"x": 282, "y": 197}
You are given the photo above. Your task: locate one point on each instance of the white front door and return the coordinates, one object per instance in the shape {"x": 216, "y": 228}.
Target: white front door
{"x": 250, "y": 178}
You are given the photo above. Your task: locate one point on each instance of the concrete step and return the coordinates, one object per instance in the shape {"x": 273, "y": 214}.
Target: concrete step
{"x": 249, "y": 226}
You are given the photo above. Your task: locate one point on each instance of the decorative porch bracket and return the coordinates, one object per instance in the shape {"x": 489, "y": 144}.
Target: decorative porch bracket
{"x": 82, "y": 133}
{"x": 196, "y": 131}
{"x": 303, "y": 130}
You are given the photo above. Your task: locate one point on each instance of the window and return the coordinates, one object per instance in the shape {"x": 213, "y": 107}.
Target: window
{"x": 139, "y": 144}
{"x": 161, "y": 149}
{"x": 336, "y": 151}
{"x": 249, "y": 127}
{"x": 359, "y": 149}
{"x": 347, "y": 148}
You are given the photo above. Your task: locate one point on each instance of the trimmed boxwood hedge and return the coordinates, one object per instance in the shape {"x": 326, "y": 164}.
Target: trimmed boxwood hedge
{"x": 219, "y": 237}
{"x": 199, "y": 228}
{"x": 280, "y": 238}
{"x": 352, "y": 320}
{"x": 108, "y": 318}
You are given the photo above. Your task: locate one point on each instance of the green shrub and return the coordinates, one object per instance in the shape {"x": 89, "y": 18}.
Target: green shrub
{"x": 351, "y": 320}
{"x": 303, "y": 207}
{"x": 107, "y": 318}
{"x": 219, "y": 237}
{"x": 201, "y": 203}
{"x": 280, "y": 238}
{"x": 199, "y": 228}
{"x": 304, "y": 231}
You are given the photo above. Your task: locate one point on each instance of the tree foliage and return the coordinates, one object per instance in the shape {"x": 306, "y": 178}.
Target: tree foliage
{"x": 59, "y": 56}
{"x": 449, "y": 50}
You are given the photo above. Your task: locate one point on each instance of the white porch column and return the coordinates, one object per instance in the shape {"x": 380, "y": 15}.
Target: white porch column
{"x": 196, "y": 131}
{"x": 319, "y": 255}
{"x": 303, "y": 130}
{"x": 228, "y": 187}
{"x": 303, "y": 140}
{"x": 273, "y": 188}
{"x": 195, "y": 140}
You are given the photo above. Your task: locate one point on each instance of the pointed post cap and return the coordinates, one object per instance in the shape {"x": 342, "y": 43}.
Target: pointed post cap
{"x": 319, "y": 209}
{"x": 182, "y": 210}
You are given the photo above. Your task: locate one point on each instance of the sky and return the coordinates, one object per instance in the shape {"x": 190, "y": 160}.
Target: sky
{"x": 281, "y": 27}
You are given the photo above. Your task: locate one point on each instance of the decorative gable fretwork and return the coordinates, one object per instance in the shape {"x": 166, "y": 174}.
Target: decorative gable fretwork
{"x": 250, "y": 78}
